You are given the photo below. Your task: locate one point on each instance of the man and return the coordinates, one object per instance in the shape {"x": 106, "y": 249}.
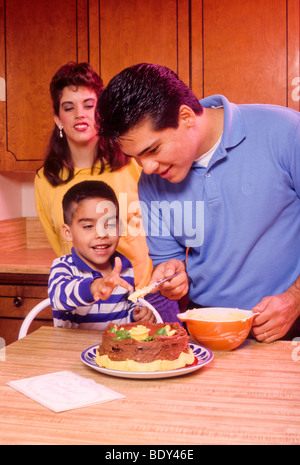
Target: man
{"x": 237, "y": 168}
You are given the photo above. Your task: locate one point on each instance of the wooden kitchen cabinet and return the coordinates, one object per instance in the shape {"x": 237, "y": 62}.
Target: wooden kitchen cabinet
{"x": 247, "y": 50}
{"x": 36, "y": 38}
{"x": 39, "y": 36}
{"x": 19, "y": 293}
{"x": 134, "y": 31}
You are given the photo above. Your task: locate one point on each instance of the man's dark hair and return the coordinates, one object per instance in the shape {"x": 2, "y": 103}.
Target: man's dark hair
{"x": 86, "y": 190}
{"x": 143, "y": 91}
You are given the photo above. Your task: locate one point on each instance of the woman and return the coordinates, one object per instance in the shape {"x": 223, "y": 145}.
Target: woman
{"x": 75, "y": 153}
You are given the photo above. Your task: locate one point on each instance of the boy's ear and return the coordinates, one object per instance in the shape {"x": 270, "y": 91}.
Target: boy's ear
{"x": 66, "y": 232}
{"x": 187, "y": 116}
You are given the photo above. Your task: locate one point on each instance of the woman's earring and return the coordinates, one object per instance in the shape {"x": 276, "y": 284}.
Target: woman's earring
{"x": 60, "y": 132}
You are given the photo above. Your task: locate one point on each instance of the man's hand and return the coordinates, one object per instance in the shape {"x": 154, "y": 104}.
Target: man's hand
{"x": 176, "y": 287}
{"x": 277, "y": 315}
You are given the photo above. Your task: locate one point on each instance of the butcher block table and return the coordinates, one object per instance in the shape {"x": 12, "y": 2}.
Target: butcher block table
{"x": 248, "y": 396}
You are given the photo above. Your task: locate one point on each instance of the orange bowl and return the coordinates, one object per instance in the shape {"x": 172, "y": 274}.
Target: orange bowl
{"x": 218, "y": 328}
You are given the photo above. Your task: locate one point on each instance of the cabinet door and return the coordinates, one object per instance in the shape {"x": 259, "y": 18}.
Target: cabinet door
{"x": 248, "y": 50}
{"x": 16, "y": 301}
{"x": 132, "y": 32}
{"x": 40, "y": 36}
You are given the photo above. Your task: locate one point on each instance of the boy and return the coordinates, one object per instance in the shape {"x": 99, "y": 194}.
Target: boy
{"x": 89, "y": 288}
{"x": 222, "y": 181}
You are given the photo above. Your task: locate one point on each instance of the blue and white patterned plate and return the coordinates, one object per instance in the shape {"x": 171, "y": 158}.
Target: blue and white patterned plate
{"x": 202, "y": 355}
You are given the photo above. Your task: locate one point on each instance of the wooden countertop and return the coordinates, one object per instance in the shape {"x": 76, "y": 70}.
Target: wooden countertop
{"x": 24, "y": 248}
{"x": 246, "y": 396}
{"x": 27, "y": 261}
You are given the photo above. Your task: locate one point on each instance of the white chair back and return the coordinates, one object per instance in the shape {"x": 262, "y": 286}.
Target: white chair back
{"x": 145, "y": 303}
{"x": 31, "y": 316}
{"x": 46, "y": 303}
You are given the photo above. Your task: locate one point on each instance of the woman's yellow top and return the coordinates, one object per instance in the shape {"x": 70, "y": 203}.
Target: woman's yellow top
{"x": 124, "y": 181}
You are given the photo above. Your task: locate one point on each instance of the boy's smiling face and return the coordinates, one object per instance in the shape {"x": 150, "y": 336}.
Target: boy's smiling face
{"x": 94, "y": 232}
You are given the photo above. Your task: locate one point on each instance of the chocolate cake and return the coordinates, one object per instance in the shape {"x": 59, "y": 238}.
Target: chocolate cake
{"x": 144, "y": 346}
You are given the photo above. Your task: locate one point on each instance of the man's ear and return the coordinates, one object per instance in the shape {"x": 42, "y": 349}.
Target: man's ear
{"x": 66, "y": 232}
{"x": 187, "y": 116}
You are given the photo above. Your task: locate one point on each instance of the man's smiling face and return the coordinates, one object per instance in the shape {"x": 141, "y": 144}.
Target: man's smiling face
{"x": 169, "y": 152}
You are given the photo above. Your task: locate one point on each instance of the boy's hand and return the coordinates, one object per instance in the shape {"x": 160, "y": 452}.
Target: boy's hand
{"x": 102, "y": 288}
{"x": 143, "y": 313}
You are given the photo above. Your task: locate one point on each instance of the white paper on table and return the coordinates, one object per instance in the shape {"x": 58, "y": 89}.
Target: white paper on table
{"x": 64, "y": 390}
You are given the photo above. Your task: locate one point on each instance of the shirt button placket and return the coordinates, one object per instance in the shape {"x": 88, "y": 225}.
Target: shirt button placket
{"x": 211, "y": 188}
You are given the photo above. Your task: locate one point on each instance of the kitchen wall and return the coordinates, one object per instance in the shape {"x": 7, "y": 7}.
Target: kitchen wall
{"x": 17, "y": 195}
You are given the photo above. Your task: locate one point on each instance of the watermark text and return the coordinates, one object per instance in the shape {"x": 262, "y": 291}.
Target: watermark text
{"x": 296, "y": 90}
{"x": 184, "y": 220}
{"x": 296, "y": 350}
{"x": 2, "y": 349}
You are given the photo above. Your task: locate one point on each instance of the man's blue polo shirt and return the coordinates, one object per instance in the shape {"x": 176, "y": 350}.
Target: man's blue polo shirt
{"x": 239, "y": 216}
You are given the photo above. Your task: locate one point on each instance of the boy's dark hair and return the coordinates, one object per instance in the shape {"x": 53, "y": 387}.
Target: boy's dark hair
{"x": 143, "y": 91}
{"x": 86, "y": 190}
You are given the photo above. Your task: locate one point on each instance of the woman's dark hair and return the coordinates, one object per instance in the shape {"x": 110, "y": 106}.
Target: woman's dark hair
{"x": 58, "y": 155}
{"x": 73, "y": 74}
{"x": 86, "y": 190}
{"x": 143, "y": 91}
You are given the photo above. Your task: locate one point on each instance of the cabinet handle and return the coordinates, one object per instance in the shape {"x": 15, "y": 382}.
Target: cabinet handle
{"x": 18, "y": 301}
